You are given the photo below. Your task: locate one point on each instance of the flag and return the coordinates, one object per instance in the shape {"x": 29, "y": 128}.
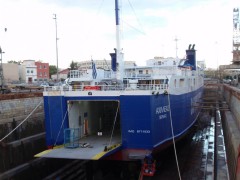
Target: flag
{"x": 94, "y": 71}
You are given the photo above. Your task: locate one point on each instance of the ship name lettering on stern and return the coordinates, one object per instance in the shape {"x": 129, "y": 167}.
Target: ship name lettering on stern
{"x": 162, "y": 109}
{"x": 143, "y": 131}
{"x": 164, "y": 116}
{"x": 130, "y": 131}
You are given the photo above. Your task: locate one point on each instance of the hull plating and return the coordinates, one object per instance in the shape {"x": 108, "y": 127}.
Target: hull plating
{"x": 145, "y": 119}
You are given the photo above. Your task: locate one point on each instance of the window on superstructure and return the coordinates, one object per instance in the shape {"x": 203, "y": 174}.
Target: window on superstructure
{"x": 159, "y": 62}
{"x": 44, "y": 67}
{"x": 40, "y": 74}
{"x": 167, "y": 81}
{"x": 146, "y": 71}
{"x": 175, "y": 83}
{"x": 156, "y": 82}
{"x": 40, "y": 67}
{"x": 161, "y": 81}
{"x": 140, "y": 71}
{"x": 181, "y": 83}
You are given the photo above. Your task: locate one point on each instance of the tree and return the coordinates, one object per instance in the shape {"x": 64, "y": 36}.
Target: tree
{"x": 73, "y": 65}
{"x": 211, "y": 73}
{"x": 52, "y": 70}
{"x": 15, "y": 62}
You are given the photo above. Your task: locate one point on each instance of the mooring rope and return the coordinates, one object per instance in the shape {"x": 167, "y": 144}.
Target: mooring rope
{"x": 62, "y": 125}
{"x": 173, "y": 138}
{"x": 21, "y": 122}
{"x": 110, "y": 141}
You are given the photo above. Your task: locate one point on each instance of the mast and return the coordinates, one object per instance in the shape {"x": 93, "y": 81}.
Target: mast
{"x": 119, "y": 54}
{"x": 176, "y": 39}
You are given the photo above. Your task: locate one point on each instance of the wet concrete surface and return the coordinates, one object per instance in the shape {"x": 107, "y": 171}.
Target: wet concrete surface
{"x": 194, "y": 154}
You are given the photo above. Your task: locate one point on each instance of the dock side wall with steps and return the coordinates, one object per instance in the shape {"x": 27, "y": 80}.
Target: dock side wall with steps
{"x": 231, "y": 125}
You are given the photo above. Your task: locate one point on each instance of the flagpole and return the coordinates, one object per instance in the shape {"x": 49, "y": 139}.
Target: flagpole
{"x": 94, "y": 70}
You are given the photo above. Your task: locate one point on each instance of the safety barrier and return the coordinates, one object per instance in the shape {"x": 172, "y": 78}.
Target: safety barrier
{"x": 71, "y": 137}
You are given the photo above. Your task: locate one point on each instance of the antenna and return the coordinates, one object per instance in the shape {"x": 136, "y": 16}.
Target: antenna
{"x": 176, "y": 40}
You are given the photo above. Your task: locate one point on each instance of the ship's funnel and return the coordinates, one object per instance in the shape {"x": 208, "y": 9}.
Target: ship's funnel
{"x": 191, "y": 56}
{"x": 113, "y": 61}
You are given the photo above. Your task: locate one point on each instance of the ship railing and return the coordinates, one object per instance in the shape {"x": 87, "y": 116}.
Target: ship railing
{"x": 76, "y": 74}
{"x": 119, "y": 87}
{"x": 135, "y": 75}
{"x": 152, "y": 86}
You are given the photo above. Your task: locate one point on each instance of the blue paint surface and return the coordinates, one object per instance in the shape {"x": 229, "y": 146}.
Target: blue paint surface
{"x": 145, "y": 119}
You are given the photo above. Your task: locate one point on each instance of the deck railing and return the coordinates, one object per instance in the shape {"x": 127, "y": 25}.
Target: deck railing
{"x": 126, "y": 87}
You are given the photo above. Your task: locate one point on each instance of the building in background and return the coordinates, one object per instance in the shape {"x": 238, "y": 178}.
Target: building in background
{"x": 42, "y": 71}
{"x": 102, "y": 64}
{"x": 11, "y": 72}
{"x": 30, "y": 69}
{"x": 35, "y": 72}
{"x": 62, "y": 75}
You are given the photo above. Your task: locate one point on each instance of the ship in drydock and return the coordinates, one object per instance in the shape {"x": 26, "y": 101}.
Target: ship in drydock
{"x": 100, "y": 116}
{"x": 123, "y": 113}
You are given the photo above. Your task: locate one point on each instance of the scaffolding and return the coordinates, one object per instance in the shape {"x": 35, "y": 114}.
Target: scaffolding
{"x": 236, "y": 37}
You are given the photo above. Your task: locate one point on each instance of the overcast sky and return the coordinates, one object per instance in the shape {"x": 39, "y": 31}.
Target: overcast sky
{"x": 86, "y": 28}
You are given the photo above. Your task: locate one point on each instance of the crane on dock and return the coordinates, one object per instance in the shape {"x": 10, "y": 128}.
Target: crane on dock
{"x": 1, "y": 72}
{"x": 236, "y": 37}
{"x": 3, "y": 88}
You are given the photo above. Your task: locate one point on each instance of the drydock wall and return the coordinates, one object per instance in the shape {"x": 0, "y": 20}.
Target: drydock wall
{"x": 14, "y": 109}
{"x": 29, "y": 138}
{"x": 19, "y": 109}
{"x": 231, "y": 123}
{"x": 232, "y": 96}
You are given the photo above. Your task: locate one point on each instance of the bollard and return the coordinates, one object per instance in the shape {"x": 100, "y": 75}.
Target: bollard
{"x": 15, "y": 133}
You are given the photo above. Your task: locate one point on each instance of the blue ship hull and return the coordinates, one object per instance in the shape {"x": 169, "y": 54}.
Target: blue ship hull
{"x": 145, "y": 120}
